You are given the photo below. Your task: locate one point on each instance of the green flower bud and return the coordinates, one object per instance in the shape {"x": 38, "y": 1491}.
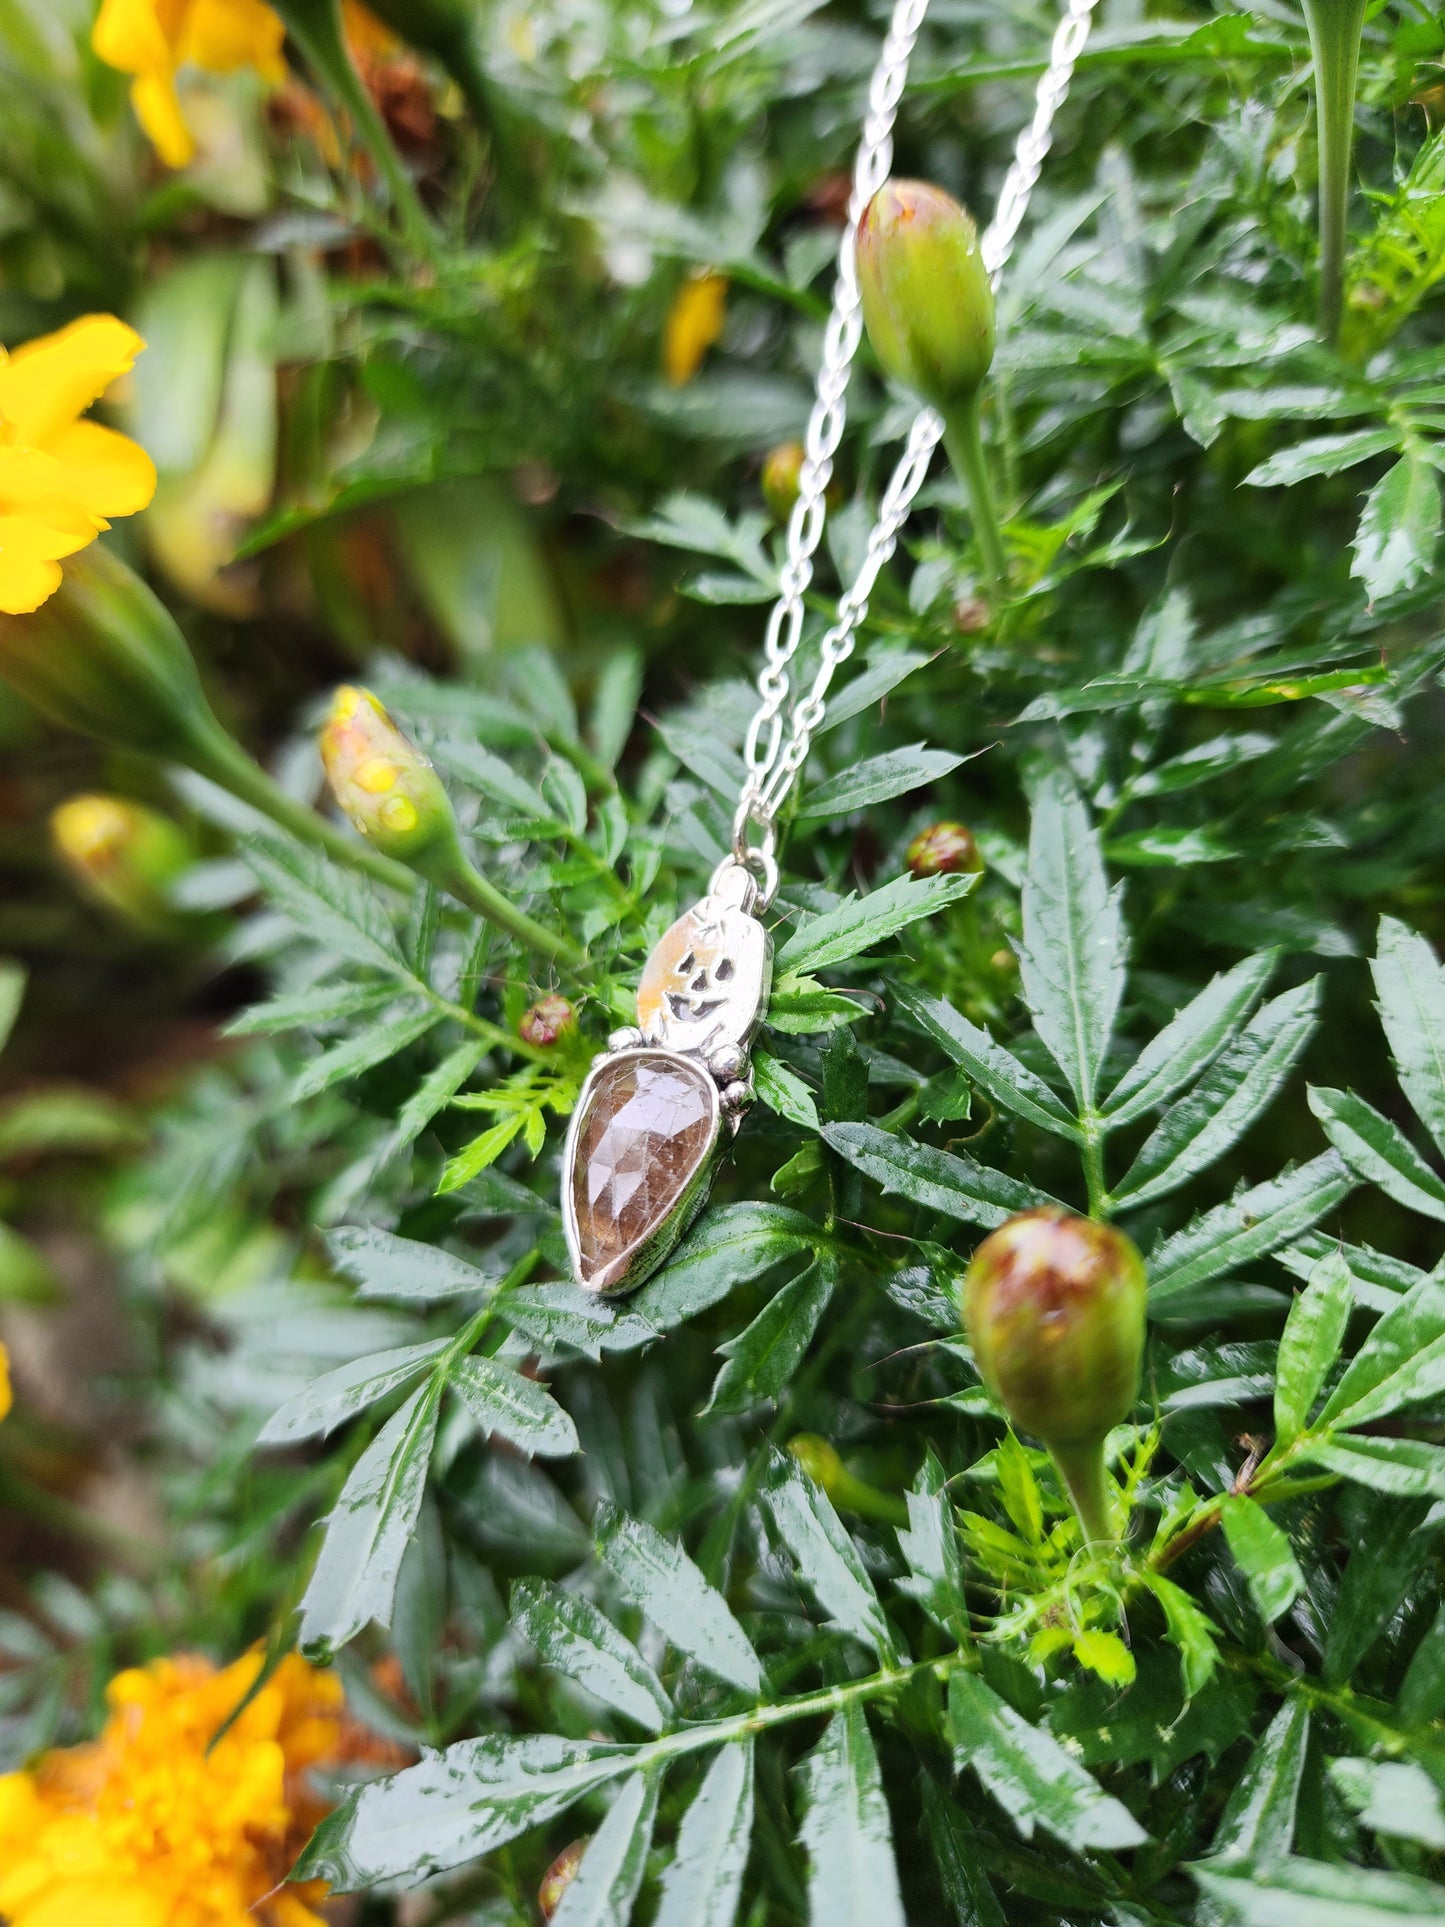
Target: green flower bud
{"x": 387, "y": 788}
{"x": 943, "y": 849}
{"x": 824, "y": 1467}
{"x": 560, "y": 1875}
{"x": 125, "y": 856}
{"x": 927, "y": 303}
{"x": 548, "y": 1020}
{"x": 782, "y": 467}
{"x": 104, "y": 657}
{"x": 1054, "y": 1308}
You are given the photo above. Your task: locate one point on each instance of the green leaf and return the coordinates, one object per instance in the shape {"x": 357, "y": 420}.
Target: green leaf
{"x": 1375, "y": 1580}
{"x": 870, "y": 686}
{"x": 956, "y": 1856}
{"x": 1235, "y": 1091}
{"x": 1394, "y": 1798}
{"x": 938, "y": 1180}
{"x": 1251, "y": 1225}
{"x": 434, "y": 1093}
{"x": 802, "y": 1007}
{"x": 335, "y": 909}
{"x": 657, "y": 1576}
{"x": 605, "y": 1886}
{"x": 1403, "y": 1468}
{"x": 864, "y": 922}
{"x": 877, "y": 779}
{"x": 783, "y": 1091}
{"x": 1313, "y": 1334}
{"x": 369, "y": 1530}
{"x": 1259, "y": 1818}
{"x": 1410, "y": 986}
{"x": 65, "y": 1120}
{"x": 329, "y": 1401}
{"x": 1189, "y": 1629}
{"x": 1402, "y": 1359}
{"x": 574, "y": 1638}
{"x": 1010, "y": 1084}
{"x": 456, "y": 1806}
{"x": 12, "y": 995}
{"x": 703, "y": 1884}
{"x": 1034, "y": 1779}
{"x": 361, "y": 1053}
{"x": 1315, "y": 1893}
{"x": 515, "y": 1408}
{"x": 1378, "y": 1150}
{"x": 493, "y": 777}
{"x": 1422, "y": 1692}
{"x": 852, "y": 1874}
{"x": 614, "y": 702}
{"x": 1218, "y": 757}
{"x": 1264, "y": 1555}
{"x": 762, "y": 1359}
{"x": 1399, "y": 529}
{"x": 729, "y": 1245}
{"x": 1190, "y": 1041}
{"x": 1073, "y": 950}
{"x": 385, "y": 1266}
{"x": 1324, "y": 455}
{"x": 929, "y": 1543}
{"x": 310, "y": 1009}
{"x": 826, "y": 1557}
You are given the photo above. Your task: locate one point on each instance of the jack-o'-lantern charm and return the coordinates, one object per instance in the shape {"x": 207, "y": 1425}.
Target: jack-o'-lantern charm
{"x": 648, "y": 1125}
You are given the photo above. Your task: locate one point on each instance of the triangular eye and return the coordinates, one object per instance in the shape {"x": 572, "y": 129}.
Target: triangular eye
{"x": 724, "y": 970}
{"x": 686, "y": 964}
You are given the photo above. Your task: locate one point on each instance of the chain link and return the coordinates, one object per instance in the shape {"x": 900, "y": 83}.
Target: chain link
{"x": 773, "y": 765}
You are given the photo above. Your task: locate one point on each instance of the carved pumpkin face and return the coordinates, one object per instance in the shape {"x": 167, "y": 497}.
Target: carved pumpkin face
{"x": 704, "y": 982}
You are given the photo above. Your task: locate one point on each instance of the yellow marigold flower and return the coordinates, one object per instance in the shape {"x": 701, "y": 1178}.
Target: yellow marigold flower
{"x": 153, "y": 39}
{"x": 60, "y": 477}
{"x": 694, "y": 322}
{"x": 6, "y": 1397}
{"x": 148, "y": 1828}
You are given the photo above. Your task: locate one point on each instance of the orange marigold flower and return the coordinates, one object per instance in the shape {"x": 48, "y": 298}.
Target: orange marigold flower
{"x": 694, "y": 322}
{"x": 61, "y": 477}
{"x": 153, "y": 1826}
{"x": 5, "y": 1394}
{"x": 154, "y": 39}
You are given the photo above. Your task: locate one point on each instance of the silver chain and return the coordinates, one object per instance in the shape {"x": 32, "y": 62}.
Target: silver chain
{"x": 772, "y": 764}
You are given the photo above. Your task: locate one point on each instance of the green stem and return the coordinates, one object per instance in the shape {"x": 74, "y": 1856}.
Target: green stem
{"x": 1335, "y": 28}
{"x": 217, "y": 756}
{"x": 964, "y": 442}
{"x": 1081, "y": 1467}
{"x": 1092, "y": 1156}
{"x": 470, "y": 887}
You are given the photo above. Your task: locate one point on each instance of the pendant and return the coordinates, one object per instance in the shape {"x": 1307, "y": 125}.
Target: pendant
{"x": 647, "y": 1130}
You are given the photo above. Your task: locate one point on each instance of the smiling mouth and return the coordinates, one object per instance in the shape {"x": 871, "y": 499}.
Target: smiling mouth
{"x": 692, "y": 1010}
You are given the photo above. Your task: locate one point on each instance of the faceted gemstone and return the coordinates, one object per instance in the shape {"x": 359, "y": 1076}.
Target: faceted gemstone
{"x": 646, "y": 1129}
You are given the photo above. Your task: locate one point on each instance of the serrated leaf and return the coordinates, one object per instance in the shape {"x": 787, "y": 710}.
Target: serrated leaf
{"x": 877, "y": 779}
{"x": 1073, "y": 950}
{"x": 827, "y": 1560}
{"x": 574, "y": 1638}
{"x": 456, "y": 1806}
{"x": 782, "y": 1090}
{"x": 1233, "y": 1093}
{"x": 435, "y": 1092}
{"x": 729, "y": 1245}
{"x": 1263, "y": 1554}
{"x": 310, "y": 1009}
{"x": 1107, "y": 1655}
{"x": 336, "y": 910}
{"x": 1259, "y": 1818}
{"x": 493, "y": 777}
{"x": 1010, "y": 1084}
{"x": 363, "y": 1052}
{"x": 1035, "y": 1781}
{"x": 956, "y": 1856}
{"x": 1402, "y": 1359}
{"x": 1190, "y": 1041}
{"x": 1190, "y": 1630}
{"x": 1378, "y": 1150}
{"x": 1399, "y": 529}
{"x": 516, "y": 1408}
{"x": 330, "y": 1400}
{"x": 1322, "y": 455}
{"x": 762, "y": 1358}
{"x": 604, "y": 1887}
{"x": 802, "y": 1007}
{"x": 1313, "y": 1334}
{"x": 1394, "y": 1798}
{"x": 1317, "y": 1893}
{"x": 369, "y": 1529}
{"x": 862, "y": 923}
{"x": 1250, "y": 1226}
{"x": 658, "y": 1577}
{"x": 703, "y": 1884}
{"x": 852, "y": 1874}
{"x": 929, "y": 1543}
{"x": 1410, "y": 987}
{"x": 385, "y": 1266}
{"x": 938, "y": 1180}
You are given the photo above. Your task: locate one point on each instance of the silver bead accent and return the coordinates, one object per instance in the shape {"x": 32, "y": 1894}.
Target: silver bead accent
{"x": 628, "y": 1038}
{"x": 737, "y": 1095}
{"x": 726, "y": 1062}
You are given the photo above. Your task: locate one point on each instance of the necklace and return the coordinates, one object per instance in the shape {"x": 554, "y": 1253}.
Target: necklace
{"x": 648, "y": 1128}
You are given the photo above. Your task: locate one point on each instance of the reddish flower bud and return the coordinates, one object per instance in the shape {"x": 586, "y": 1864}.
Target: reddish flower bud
{"x": 559, "y": 1876}
{"x": 941, "y": 850}
{"x": 386, "y": 786}
{"x": 547, "y": 1020}
{"x": 926, "y": 296}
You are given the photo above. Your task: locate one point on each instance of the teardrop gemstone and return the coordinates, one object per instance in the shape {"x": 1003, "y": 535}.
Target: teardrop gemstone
{"x": 647, "y": 1124}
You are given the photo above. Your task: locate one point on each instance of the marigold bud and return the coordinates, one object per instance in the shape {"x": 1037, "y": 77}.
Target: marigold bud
{"x": 549, "y": 1019}
{"x": 387, "y": 787}
{"x": 560, "y": 1875}
{"x": 1054, "y": 1305}
{"x": 824, "y": 1467}
{"x": 782, "y": 466}
{"x": 942, "y": 850}
{"x": 123, "y": 854}
{"x": 926, "y": 297}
